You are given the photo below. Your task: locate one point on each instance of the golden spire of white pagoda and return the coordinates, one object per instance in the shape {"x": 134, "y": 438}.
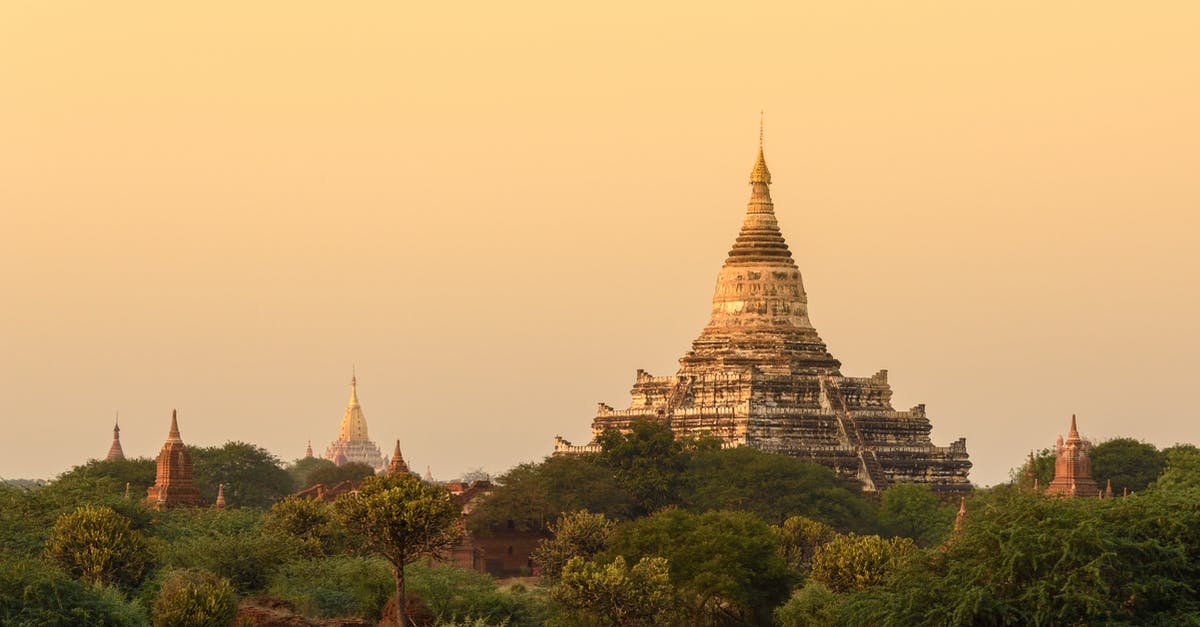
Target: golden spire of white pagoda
{"x": 354, "y": 424}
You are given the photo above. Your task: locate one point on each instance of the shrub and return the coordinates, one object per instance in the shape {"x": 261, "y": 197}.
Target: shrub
{"x": 97, "y": 545}
{"x": 813, "y": 605}
{"x": 35, "y": 593}
{"x": 852, "y": 562}
{"x": 335, "y": 586}
{"x": 194, "y": 599}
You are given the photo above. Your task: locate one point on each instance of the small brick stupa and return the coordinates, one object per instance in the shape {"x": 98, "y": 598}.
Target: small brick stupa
{"x": 173, "y": 485}
{"x": 353, "y": 443}
{"x": 115, "y": 452}
{"x": 397, "y": 465}
{"x": 1072, "y": 468}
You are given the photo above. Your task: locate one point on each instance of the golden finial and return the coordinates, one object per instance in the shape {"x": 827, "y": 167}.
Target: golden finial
{"x": 760, "y": 173}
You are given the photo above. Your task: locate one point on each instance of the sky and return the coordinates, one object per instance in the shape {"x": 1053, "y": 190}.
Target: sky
{"x": 497, "y": 212}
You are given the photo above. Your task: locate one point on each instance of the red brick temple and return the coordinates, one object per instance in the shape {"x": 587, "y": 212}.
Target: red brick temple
{"x": 173, "y": 486}
{"x": 1072, "y": 468}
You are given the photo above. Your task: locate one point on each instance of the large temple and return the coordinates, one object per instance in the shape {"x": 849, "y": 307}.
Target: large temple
{"x": 353, "y": 443}
{"x": 759, "y": 375}
{"x": 1072, "y": 467}
{"x": 173, "y": 484}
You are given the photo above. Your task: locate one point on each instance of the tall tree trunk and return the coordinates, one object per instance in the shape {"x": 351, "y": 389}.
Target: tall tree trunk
{"x": 401, "y": 610}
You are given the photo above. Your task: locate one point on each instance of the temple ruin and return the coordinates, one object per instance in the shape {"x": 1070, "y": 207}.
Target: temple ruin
{"x": 759, "y": 375}
{"x": 173, "y": 484}
{"x": 1073, "y": 468}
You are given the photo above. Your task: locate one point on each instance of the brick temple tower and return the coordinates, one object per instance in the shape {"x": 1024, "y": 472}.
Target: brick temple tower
{"x": 173, "y": 485}
{"x": 115, "y": 451}
{"x": 1072, "y": 467}
{"x": 353, "y": 443}
{"x": 397, "y": 465}
{"x": 759, "y": 375}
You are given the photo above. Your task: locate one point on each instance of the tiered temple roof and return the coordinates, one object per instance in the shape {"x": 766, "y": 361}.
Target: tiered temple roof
{"x": 759, "y": 375}
{"x": 353, "y": 444}
{"x": 173, "y": 486}
{"x": 1073, "y": 468}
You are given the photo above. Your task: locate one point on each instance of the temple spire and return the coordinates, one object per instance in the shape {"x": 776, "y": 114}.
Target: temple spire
{"x": 760, "y": 240}
{"x": 1073, "y": 434}
{"x": 115, "y": 451}
{"x": 220, "y": 502}
{"x": 174, "y": 433}
{"x": 397, "y": 464}
{"x": 353, "y": 387}
{"x": 760, "y": 173}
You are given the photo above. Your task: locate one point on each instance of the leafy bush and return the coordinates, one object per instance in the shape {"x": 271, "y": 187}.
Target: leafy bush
{"x": 1026, "y": 559}
{"x": 725, "y": 565}
{"x": 578, "y": 534}
{"x": 454, "y": 594}
{"x": 615, "y": 593}
{"x": 308, "y": 520}
{"x": 97, "y": 545}
{"x": 799, "y": 539}
{"x": 335, "y": 586}
{"x": 814, "y": 605}
{"x": 247, "y": 558}
{"x": 35, "y": 593}
{"x": 912, "y": 510}
{"x": 853, "y": 562}
{"x": 194, "y": 599}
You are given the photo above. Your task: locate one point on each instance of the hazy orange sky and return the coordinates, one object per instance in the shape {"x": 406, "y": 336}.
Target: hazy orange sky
{"x": 499, "y": 211}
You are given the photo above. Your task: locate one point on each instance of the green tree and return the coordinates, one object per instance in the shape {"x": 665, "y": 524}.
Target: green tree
{"x": 648, "y": 460}
{"x": 301, "y": 469}
{"x": 852, "y": 562}
{"x": 232, "y": 544}
{"x": 331, "y": 476}
{"x": 33, "y": 592}
{"x": 402, "y": 518}
{"x": 253, "y": 477}
{"x": 1030, "y": 560}
{"x": 771, "y": 486}
{"x": 799, "y": 539}
{"x": 912, "y": 510}
{"x": 97, "y": 545}
{"x": 1127, "y": 463}
{"x": 1182, "y": 468}
{"x": 138, "y": 472}
{"x": 308, "y": 520}
{"x": 578, "y": 534}
{"x": 726, "y": 566}
{"x": 814, "y": 605}
{"x": 614, "y": 593}
{"x": 194, "y": 599}
{"x": 531, "y": 496}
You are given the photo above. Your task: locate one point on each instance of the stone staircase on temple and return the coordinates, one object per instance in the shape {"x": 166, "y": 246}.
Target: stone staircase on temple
{"x": 871, "y": 469}
{"x": 682, "y": 387}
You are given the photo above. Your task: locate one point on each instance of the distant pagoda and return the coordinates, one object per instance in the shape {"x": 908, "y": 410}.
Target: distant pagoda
{"x": 353, "y": 445}
{"x": 760, "y": 376}
{"x": 115, "y": 452}
{"x": 173, "y": 486}
{"x": 1073, "y": 468}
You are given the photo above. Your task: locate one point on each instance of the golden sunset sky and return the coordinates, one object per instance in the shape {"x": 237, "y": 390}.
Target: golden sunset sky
{"x": 499, "y": 211}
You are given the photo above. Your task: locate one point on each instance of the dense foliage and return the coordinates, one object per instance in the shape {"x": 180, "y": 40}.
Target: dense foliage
{"x": 402, "y": 519}
{"x": 97, "y": 545}
{"x": 652, "y": 530}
